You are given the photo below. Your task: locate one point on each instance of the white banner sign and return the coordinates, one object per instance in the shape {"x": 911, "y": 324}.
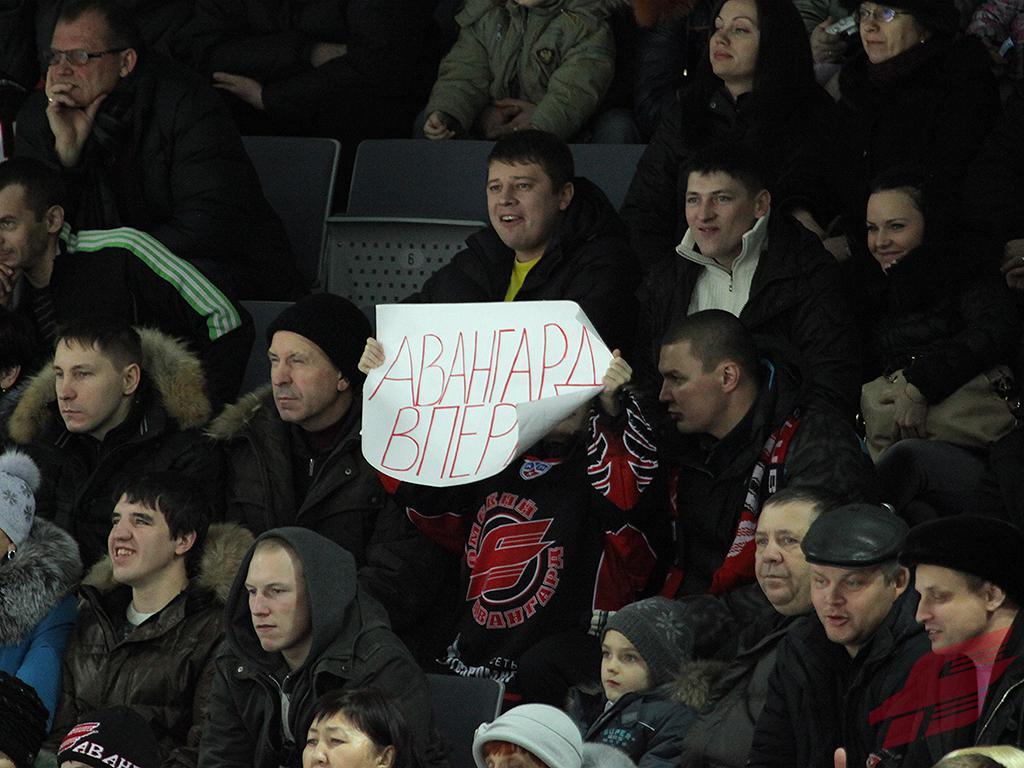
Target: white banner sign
{"x": 465, "y": 388}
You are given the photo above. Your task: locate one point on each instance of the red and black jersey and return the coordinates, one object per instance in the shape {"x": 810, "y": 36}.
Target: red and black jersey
{"x": 551, "y": 544}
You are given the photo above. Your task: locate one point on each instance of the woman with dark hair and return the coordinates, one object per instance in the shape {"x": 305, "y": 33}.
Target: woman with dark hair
{"x": 755, "y": 87}
{"x": 357, "y": 728}
{"x": 917, "y": 94}
{"x": 18, "y": 358}
{"x": 929, "y": 325}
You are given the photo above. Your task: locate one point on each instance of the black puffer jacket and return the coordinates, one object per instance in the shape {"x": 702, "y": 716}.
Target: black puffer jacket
{"x": 796, "y": 312}
{"x": 345, "y": 502}
{"x": 793, "y": 136}
{"x": 935, "y": 116}
{"x": 163, "y": 667}
{"x": 931, "y": 317}
{"x": 352, "y": 647}
{"x": 161, "y": 432}
{"x": 712, "y": 480}
{"x": 588, "y": 262}
{"x": 164, "y": 157}
{"x": 820, "y": 699}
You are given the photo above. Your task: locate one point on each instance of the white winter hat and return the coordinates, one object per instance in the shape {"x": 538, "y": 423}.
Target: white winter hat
{"x": 19, "y": 480}
{"x": 544, "y": 731}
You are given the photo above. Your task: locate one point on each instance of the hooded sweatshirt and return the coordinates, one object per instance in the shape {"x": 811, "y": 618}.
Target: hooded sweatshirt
{"x": 260, "y": 710}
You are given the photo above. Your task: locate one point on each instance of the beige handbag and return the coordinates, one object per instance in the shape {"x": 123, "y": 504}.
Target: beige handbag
{"x": 974, "y": 416}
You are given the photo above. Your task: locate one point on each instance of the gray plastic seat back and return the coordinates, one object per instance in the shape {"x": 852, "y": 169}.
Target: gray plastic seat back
{"x": 297, "y": 175}
{"x": 382, "y": 260}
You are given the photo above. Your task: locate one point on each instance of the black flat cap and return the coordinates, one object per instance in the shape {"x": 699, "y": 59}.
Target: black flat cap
{"x": 854, "y": 536}
{"x": 986, "y": 547}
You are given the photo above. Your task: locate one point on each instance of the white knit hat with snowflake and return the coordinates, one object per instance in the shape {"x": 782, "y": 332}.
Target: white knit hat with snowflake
{"x": 19, "y": 480}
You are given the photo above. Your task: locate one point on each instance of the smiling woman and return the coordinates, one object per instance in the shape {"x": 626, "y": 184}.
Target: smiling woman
{"x": 923, "y": 310}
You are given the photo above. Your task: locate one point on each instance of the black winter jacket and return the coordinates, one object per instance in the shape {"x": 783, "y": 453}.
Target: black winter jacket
{"x": 588, "y": 262}
{"x": 820, "y": 699}
{"x": 722, "y": 734}
{"x": 712, "y": 478}
{"x": 935, "y": 116}
{"x": 164, "y": 157}
{"x": 163, "y": 667}
{"x": 796, "y": 311}
{"x": 930, "y": 316}
{"x": 161, "y": 432}
{"x": 346, "y": 503}
{"x": 792, "y": 135}
{"x": 648, "y": 726}
{"x": 389, "y": 52}
{"x": 352, "y": 647}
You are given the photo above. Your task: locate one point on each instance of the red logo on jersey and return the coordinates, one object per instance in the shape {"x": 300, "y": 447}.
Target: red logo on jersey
{"x": 505, "y": 553}
{"x": 515, "y": 568}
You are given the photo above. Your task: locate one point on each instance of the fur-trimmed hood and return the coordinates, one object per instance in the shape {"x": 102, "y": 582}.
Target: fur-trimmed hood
{"x": 235, "y": 417}
{"x": 693, "y": 684}
{"x": 174, "y": 372}
{"x": 226, "y": 545}
{"x": 44, "y": 570}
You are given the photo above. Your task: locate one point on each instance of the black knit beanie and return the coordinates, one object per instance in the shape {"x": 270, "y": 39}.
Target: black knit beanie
{"x": 334, "y": 324}
{"x": 20, "y": 706}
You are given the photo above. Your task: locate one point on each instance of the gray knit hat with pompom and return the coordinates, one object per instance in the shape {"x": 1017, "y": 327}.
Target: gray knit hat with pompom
{"x": 19, "y": 480}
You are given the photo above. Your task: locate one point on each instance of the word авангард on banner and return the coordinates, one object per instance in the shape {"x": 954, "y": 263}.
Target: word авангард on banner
{"x": 465, "y": 388}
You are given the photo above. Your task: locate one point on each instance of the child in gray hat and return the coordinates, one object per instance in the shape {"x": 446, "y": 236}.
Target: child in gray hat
{"x": 652, "y": 692}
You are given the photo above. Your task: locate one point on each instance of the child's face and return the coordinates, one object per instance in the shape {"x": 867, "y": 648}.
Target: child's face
{"x": 623, "y": 669}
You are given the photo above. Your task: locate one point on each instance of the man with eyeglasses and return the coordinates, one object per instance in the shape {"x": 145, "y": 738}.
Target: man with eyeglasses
{"x": 142, "y": 142}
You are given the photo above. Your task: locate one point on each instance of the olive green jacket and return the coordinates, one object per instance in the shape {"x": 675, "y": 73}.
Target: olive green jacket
{"x": 558, "y": 55}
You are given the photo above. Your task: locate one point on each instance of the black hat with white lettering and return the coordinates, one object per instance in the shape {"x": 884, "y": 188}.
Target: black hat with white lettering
{"x": 854, "y": 536}
{"x": 116, "y": 737}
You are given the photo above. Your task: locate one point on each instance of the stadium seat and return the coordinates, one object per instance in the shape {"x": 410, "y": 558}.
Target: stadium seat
{"x": 460, "y": 705}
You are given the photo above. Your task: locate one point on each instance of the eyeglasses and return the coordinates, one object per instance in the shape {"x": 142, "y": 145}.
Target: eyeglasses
{"x": 883, "y": 14}
{"x": 76, "y": 56}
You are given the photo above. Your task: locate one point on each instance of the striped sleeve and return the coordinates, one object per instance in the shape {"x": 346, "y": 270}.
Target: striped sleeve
{"x": 205, "y": 298}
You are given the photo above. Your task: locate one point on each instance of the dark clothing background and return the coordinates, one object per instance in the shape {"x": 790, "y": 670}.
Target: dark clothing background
{"x": 164, "y": 157}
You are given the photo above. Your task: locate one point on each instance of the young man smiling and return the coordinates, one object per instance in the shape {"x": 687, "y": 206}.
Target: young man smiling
{"x": 150, "y": 617}
{"x": 761, "y": 266}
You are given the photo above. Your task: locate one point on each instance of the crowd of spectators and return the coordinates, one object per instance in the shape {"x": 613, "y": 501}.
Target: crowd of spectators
{"x": 786, "y": 532}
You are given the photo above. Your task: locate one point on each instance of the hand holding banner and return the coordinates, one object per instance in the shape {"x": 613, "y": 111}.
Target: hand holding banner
{"x": 465, "y": 388}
